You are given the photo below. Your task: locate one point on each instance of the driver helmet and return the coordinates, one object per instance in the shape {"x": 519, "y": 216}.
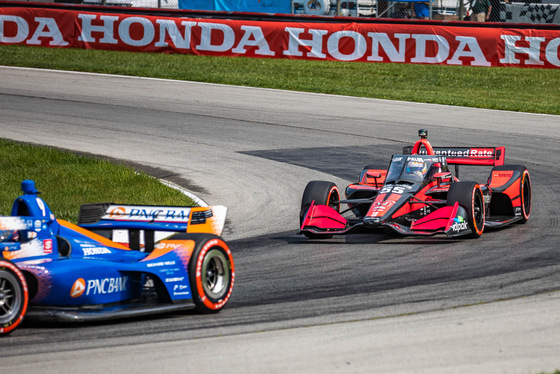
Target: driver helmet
{"x": 418, "y": 168}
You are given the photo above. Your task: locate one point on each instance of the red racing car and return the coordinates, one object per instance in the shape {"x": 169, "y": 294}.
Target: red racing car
{"x": 418, "y": 195}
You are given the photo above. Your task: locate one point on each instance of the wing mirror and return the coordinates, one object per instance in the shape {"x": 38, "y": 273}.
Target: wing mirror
{"x": 374, "y": 175}
{"x": 441, "y": 177}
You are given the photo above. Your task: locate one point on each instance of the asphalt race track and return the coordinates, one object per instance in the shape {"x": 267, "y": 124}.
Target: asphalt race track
{"x": 363, "y": 303}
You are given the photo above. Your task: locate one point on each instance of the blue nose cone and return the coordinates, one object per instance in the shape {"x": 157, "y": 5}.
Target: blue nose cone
{"x": 28, "y": 187}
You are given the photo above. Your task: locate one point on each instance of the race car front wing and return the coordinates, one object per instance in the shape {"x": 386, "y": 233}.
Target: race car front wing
{"x": 324, "y": 220}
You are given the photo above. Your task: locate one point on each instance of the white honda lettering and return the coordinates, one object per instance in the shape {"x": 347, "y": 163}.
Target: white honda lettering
{"x": 422, "y": 40}
{"x": 474, "y": 51}
{"x": 511, "y": 49}
{"x": 169, "y": 27}
{"x": 106, "y": 29}
{"x": 148, "y": 31}
{"x": 47, "y": 28}
{"x": 333, "y": 45}
{"x": 316, "y": 43}
{"x": 551, "y": 52}
{"x": 22, "y": 29}
{"x": 394, "y": 54}
{"x": 206, "y": 37}
{"x": 253, "y": 36}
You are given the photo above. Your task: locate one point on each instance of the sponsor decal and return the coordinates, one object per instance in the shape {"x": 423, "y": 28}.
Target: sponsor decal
{"x": 466, "y": 152}
{"x": 381, "y": 206}
{"x": 167, "y": 245}
{"x": 460, "y": 224}
{"x": 424, "y": 211}
{"x": 78, "y": 288}
{"x": 176, "y": 279}
{"x": 47, "y": 246}
{"x": 92, "y": 251}
{"x": 161, "y": 263}
{"x": 116, "y": 212}
{"x": 106, "y": 285}
{"x": 38, "y": 225}
{"x": 143, "y": 213}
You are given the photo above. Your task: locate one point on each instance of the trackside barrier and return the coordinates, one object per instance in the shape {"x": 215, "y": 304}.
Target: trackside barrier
{"x": 416, "y": 43}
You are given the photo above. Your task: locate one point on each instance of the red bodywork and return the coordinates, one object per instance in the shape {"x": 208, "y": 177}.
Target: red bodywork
{"x": 421, "y": 207}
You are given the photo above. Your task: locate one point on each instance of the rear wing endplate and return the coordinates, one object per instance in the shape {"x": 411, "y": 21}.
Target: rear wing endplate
{"x": 482, "y": 156}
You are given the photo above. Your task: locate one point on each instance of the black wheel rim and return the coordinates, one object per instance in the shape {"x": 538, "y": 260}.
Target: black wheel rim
{"x": 478, "y": 212}
{"x": 10, "y": 297}
{"x": 215, "y": 274}
{"x": 333, "y": 201}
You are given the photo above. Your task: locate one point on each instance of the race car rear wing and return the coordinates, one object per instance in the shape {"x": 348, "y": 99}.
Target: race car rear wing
{"x": 107, "y": 218}
{"x": 482, "y": 156}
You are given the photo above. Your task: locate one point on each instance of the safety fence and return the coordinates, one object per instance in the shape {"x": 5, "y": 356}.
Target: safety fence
{"x": 527, "y": 11}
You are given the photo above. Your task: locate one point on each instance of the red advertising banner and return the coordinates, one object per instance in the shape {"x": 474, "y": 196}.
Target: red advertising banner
{"x": 367, "y": 42}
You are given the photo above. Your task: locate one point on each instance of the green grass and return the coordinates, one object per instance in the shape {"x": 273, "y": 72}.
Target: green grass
{"x": 67, "y": 180}
{"x": 516, "y": 89}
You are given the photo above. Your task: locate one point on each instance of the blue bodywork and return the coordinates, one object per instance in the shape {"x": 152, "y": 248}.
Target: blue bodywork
{"x": 74, "y": 274}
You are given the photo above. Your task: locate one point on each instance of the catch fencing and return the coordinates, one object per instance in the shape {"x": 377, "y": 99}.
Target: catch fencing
{"x": 529, "y": 11}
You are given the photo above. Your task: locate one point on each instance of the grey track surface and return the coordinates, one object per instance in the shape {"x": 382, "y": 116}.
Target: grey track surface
{"x": 363, "y": 303}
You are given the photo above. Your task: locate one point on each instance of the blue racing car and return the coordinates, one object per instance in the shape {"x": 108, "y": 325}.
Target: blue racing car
{"x": 119, "y": 261}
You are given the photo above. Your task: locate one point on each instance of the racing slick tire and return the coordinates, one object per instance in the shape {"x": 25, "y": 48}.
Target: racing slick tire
{"x": 323, "y": 193}
{"x": 525, "y": 191}
{"x": 469, "y": 196}
{"x": 211, "y": 273}
{"x": 13, "y": 297}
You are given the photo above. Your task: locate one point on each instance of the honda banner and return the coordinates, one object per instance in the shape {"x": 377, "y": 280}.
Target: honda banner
{"x": 366, "y": 42}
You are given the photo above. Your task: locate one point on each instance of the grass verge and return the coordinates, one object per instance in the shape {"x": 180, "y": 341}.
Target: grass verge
{"x": 66, "y": 181}
{"x": 516, "y": 89}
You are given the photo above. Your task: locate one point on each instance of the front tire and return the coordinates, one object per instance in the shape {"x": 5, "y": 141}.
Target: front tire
{"x": 13, "y": 297}
{"x": 323, "y": 193}
{"x": 211, "y": 273}
{"x": 469, "y": 196}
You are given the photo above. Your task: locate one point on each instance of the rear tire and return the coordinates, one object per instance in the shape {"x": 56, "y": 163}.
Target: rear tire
{"x": 469, "y": 196}
{"x": 211, "y": 273}
{"x": 526, "y": 195}
{"x": 525, "y": 191}
{"x": 323, "y": 193}
{"x": 13, "y": 297}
